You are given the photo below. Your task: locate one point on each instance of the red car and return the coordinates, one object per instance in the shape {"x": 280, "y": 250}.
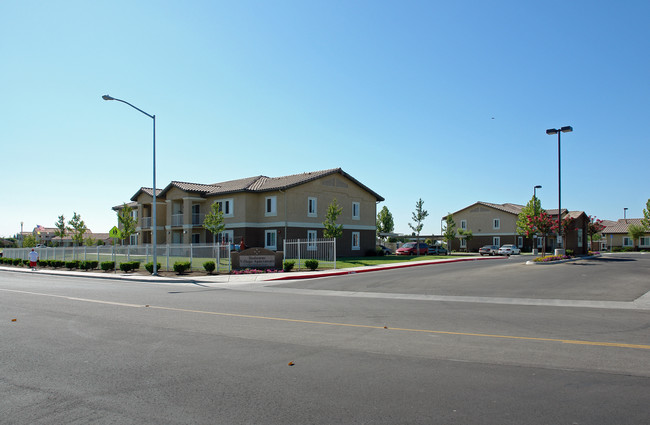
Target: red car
{"x": 410, "y": 249}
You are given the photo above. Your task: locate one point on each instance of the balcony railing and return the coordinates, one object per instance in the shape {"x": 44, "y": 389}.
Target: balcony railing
{"x": 197, "y": 219}
{"x": 146, "y": 222}
{"x": 177, "y": 219}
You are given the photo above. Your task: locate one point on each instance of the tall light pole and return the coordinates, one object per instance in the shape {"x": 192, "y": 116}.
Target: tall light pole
{"x": 551, "y": 131}
{"x": 625, "y": 214}
{"x": 154, "y": 241}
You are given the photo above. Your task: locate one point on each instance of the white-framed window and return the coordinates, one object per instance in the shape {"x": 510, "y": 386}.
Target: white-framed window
{"x": 133, "y": 239}
{"x": 356, "y": 241}
{"x": 134, "y": 214}
{"x": 520, "y": 241}
{"x": 196, "y": 238}
{"x": 540, "y": 242}
{"x": 496, "y": 240}
{"x": 463, "y": 224}
{"x": 226, "y": 237}
{"x": 270, "y": 239}
{"x": 496, "y": 224}
{"x": 226, "y": 207}
{"x": 270, "y": 206}
{"x": 356, "y": 211}
{"x": 463, "y": 243}
{"x": 644, "y": 241}
{"x": 579, "y": 238}
{"x": 311, "y": 240}
{"x": 627, "y": 241}
{"x": 311, "y": 207}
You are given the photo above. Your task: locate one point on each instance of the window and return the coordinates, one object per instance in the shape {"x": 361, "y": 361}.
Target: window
{"x": 133, "y": 240}
{"x": 579, "y": 238}
{"x": 496, "y": 240}
{"x": 226, "y": 237}
{"x": 644, "y": 241}
{"x": 463, "y": 243}
{"x": 226, "y": 207}
{"x": 270, "y": 208}
{"x": 627, "y": 241}
{"x": 356, "y": 241}
{"x": 196, "y": 238}
{"x": 540, "y": 242}
{"x": 134, "y": 214}
{"x": 520, "y": 241}
{"x": 463, "y": 224}
{"x": 355, "y": 210}
{"x": 311, "y": 207}
{"x": 311, "y": 240}
{"x": 496, "y": 224}
{"x": 270, "y": 238}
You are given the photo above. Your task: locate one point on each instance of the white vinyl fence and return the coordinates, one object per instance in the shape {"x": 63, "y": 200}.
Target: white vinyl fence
{"x": 167, "y": 255}
{"x": 299, "y": 250}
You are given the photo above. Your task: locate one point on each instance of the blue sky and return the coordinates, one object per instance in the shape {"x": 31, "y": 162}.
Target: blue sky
{"x": 444, "y": 101}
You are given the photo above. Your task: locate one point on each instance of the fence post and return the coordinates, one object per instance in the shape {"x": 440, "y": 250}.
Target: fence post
{"x": 334, "y": 253}
{"x": 167, "y": 253}
{"x": 191, "y": 256}
{"x": 298, "y": 246}
{"x": 146, "y": 247}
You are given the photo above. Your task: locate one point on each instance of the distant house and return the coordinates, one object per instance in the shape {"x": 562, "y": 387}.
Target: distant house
{"x": 496, "y": 224}
{"x": 263, "y": 211}
{"x": 615, "y": 235}
{"x": 46, "y": 236}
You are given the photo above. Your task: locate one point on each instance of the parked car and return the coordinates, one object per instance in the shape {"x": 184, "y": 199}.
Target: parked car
{"x": 386, "y": 251}
{"x": 509, "y": 250}
{"x": 437, "y": 250}
{"x": 410, "y": 249}
{"x": 488, "y": 250}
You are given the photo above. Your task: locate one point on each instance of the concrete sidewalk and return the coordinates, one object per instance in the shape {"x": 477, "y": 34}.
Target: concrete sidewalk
{"x": 243, "y": 278}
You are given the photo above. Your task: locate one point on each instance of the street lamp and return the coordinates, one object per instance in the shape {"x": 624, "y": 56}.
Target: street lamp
{"x": 551, "y": 131}
{"x": 153, "y": 212}
{"x": 625, "y": 214}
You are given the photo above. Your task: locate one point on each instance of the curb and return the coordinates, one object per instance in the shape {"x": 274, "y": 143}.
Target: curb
{"x": 381, "y": 268}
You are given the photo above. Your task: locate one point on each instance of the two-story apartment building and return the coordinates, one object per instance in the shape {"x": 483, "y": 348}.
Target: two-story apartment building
{"x": 496, "y": 224}
{"x": 263, "y": 211}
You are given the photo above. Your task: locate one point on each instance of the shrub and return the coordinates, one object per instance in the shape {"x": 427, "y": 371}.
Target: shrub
{"x": 57, "y": 263}
{"x": 287, "y": 265}
{"x": 569, "y": 252}
{"x": 149, "y": 266}
{"x": 311, "y": 264}
{"x": 107, "y": 265}
{"x": 74, "y": 264}
{"x": 372, "y": 252}
{"x": 128, "y": 266}
{"x": 181, "y": 266}
{"x": 17, "y": 261}
{"x": 25, "y": 262}
{"x": 209, "y": 266}
{"x": 88, "y": 265}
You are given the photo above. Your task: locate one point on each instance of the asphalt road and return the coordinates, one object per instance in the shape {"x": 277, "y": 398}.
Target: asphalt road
{"x": 101, "y": 351}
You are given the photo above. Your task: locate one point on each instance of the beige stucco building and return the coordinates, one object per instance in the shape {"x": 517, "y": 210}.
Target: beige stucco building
{"x": 264, "y": 211}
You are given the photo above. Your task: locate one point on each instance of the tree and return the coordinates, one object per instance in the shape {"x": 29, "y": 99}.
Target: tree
{"x": 77, "y": 227}
{"x": 645, "y": 221}
{"x": 127, "y": 221}
{"x": 213, "y": 221}
{"x": 90, "y": 241}
{"x": 61, "y": 229}
{"x": 466, "y": 234}
{"x": 635, "y": 232}
{"x": 449, "y": 231}
{"x": 418, "y": 217}
{"x": 541, "y": 224}
{"x": 532, "y": 208}
{"x": 385, "y": 223}
{"x": 333, "y": 230}
{"x": 594, "y": 228}
{"x": 29, "y": 241}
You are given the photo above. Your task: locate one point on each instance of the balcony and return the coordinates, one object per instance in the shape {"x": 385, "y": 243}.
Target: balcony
{"x": 146, "y": 222}
{"x": 177, "y": 219}
{"x": 197, "y": 219}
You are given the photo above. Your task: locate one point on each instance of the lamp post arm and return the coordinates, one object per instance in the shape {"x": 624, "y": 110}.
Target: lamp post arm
{"x": 134, "y": 107}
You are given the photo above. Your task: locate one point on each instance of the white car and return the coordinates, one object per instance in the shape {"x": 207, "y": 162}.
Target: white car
{"x": 509, "y": 250}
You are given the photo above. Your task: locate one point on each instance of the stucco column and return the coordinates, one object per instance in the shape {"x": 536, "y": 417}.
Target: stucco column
{"x": 187, "y": 221}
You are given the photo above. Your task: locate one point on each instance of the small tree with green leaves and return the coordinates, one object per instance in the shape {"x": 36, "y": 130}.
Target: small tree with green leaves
{"x": 532, "y": 209}
{"x": 126, "y": 221}
{"x": 77, "y": 227}
{"x": 333, "y": 230}
{"x": 594, "y": 228}
{"x": 29, "y": 241}
{"x": 635, "y": 232}
{"x": 385, "y": 222}
{"x": 466, "y": 234}
{"x": 418, "y": 217}
{"x": 645, "y": 221}
{"x": 449, "y": 230}
{"x": 61, "y": 228}
{"x": 213, "y": 221}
